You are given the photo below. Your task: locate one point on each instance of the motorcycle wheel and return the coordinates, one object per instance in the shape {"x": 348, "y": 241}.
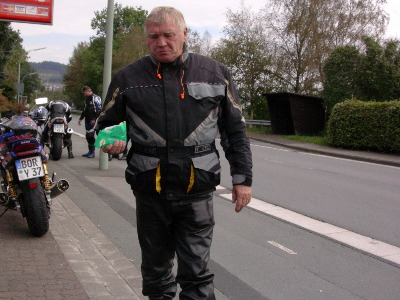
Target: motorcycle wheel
{"x": 35, "y": 207}
{"x": 57, "y": 145}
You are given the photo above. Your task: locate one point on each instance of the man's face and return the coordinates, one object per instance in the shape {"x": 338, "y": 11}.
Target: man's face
{"x": 165, "y": 41}
{"x": 87, "y": 93}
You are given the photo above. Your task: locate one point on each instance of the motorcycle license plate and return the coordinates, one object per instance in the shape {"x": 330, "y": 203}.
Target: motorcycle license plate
{"x": 58, "y": 128}
{"x": 28, "y": 168}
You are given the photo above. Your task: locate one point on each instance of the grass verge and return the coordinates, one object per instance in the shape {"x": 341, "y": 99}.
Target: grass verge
{"x": 315, "y": 139}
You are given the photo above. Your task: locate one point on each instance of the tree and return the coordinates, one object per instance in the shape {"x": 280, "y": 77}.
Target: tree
{"x": 126, "y": 52}
{"x": 9, "y": 40}
{"x": 341, "y": 71}
{"x": 369, "y": 72}
{"x": 13, "y": 58}
{"x": 31, "y": 80}
{"x": 305, "y": 32}
{"x": 55, "y": 95}
{"x": 246, "y": 52}
{"x": 88, "y": 60}
{"x": 17, "y": 57}
{"x": 379, "y": 77}
{"x": 198, "y": 44}
{"x": 124, "y": 19}
{"x": 74, "y": 79}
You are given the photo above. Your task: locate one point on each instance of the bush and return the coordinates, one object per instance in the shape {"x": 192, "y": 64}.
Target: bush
{"x": 6, "y": 106}
{"x": 364, "y": 125}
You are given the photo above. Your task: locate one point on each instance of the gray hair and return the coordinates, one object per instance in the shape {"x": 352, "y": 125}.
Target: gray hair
{"x": 160, "y": 14}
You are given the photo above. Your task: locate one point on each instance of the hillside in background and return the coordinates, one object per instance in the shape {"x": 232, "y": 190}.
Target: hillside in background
{"x": 50, "y": 73}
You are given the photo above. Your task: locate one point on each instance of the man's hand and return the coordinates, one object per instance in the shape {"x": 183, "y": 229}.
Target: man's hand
{"x": 241, "y": 195}
{"x": 115, "y": 148}
{"x": 79, "y": 122}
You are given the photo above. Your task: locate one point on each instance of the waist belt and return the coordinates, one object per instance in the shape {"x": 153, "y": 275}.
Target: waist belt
{"x": 157, "y": 151}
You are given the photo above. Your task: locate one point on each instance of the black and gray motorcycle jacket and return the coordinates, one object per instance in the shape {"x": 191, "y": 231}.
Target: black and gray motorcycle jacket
{"x": 174, "y": 112}
{"x": 59, "y": 108}
{"x": 92, "y": 108}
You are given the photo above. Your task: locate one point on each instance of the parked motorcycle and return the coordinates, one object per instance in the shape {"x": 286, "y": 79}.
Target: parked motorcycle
{"x": 26, "y": 186}
{"x": 59, "y": 136}
{"x": 54, "y": 128}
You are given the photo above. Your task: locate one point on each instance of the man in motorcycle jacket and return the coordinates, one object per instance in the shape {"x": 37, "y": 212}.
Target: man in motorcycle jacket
{"x": 59, "y": 108}
{"x": 91, "y": 111}
{"x": 175, "y": 103}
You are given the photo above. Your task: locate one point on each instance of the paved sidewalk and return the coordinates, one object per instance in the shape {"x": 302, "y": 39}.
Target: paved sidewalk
{"x": 73, "y": 261}
{"x": 33, "y": 268}
{"x": 103, "y": 271}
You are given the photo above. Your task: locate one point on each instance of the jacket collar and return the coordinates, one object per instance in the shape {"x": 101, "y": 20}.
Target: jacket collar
{"x": 179, "y": 61}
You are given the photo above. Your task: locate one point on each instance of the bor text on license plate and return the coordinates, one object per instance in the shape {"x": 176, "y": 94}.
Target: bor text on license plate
{"x": 28, "y": 168}
{"x": 58, "y": 128}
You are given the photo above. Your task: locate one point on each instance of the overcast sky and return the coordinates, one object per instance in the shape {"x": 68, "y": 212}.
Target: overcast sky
{"x": 71, "y": 22}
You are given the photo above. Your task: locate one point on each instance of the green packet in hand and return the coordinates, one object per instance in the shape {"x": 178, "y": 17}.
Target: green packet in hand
{"x": 109, "y": 135}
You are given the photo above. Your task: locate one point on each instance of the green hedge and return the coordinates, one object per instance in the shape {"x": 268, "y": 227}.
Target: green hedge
{"x": 364, "y": 125}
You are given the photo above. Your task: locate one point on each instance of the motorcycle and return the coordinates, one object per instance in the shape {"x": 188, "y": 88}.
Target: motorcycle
{"x": 59, "y": 136}
{"x": 26, "y": 185}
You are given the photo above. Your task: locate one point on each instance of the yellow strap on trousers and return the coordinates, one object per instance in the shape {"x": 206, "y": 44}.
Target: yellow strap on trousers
{"x": 158, "y": 179}
{"x": 191, "y": 181}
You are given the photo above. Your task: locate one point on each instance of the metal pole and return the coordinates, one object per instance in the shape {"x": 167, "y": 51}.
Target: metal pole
{"x": 19, "y": 69}
{"x": 19, "y": 76}
{"x": 103, "y": 161}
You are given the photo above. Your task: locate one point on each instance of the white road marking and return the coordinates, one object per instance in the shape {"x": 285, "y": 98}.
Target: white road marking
{"x": 282, "y": 247}
{"x": 366, "y": 244}
{"x": 79, "y": 134}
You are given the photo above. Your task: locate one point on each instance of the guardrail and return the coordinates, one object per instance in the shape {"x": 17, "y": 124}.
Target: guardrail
{"x": 258, "y": 122}
{"x": 248, "y": 122}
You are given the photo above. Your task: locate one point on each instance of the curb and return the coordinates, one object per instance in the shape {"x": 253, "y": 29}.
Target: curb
{"x": 104, "y": 272}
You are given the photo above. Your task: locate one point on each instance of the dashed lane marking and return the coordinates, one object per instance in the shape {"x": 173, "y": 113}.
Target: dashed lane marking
{"x": 79, "y": 134}
{"x": 282, "y": 247}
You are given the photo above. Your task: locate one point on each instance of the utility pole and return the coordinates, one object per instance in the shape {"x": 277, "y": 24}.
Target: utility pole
{"x": 20, "y": 87}
{"x": 103, "y": 160}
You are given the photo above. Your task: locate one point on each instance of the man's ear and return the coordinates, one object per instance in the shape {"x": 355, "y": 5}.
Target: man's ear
{"x": 185, "y": 32}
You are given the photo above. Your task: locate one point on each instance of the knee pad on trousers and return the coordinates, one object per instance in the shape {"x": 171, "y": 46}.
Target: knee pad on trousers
{"x": 90, "y": 138}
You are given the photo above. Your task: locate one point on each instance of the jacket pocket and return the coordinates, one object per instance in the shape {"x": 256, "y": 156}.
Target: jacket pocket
{"x": 205, "y": 90}
{"x": 141, "y": 173}
{"x": 206, "y": 173}
{"x": 207, "y": 95}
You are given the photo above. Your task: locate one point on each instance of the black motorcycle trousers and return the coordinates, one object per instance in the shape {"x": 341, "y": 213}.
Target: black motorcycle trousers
{"x": 184, "y": 228}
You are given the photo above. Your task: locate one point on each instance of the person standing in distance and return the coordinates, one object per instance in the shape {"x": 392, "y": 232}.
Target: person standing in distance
{"x": 91, "y": 111}
{"x": 174, "y": 103}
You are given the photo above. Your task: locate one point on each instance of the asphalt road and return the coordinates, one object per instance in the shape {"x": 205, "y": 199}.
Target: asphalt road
{"x": 256, "y": 256}
{"x": 359, "y": 196}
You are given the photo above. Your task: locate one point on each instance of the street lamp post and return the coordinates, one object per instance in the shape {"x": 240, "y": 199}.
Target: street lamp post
{"x": 22, "y": 80}
{"x": 19, "y": 73}
{"x": 21, "y": 84}
{"x": 103, "y": 160}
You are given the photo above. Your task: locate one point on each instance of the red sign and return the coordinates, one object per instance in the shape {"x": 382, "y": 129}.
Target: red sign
{"x": 31, "y": 11}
